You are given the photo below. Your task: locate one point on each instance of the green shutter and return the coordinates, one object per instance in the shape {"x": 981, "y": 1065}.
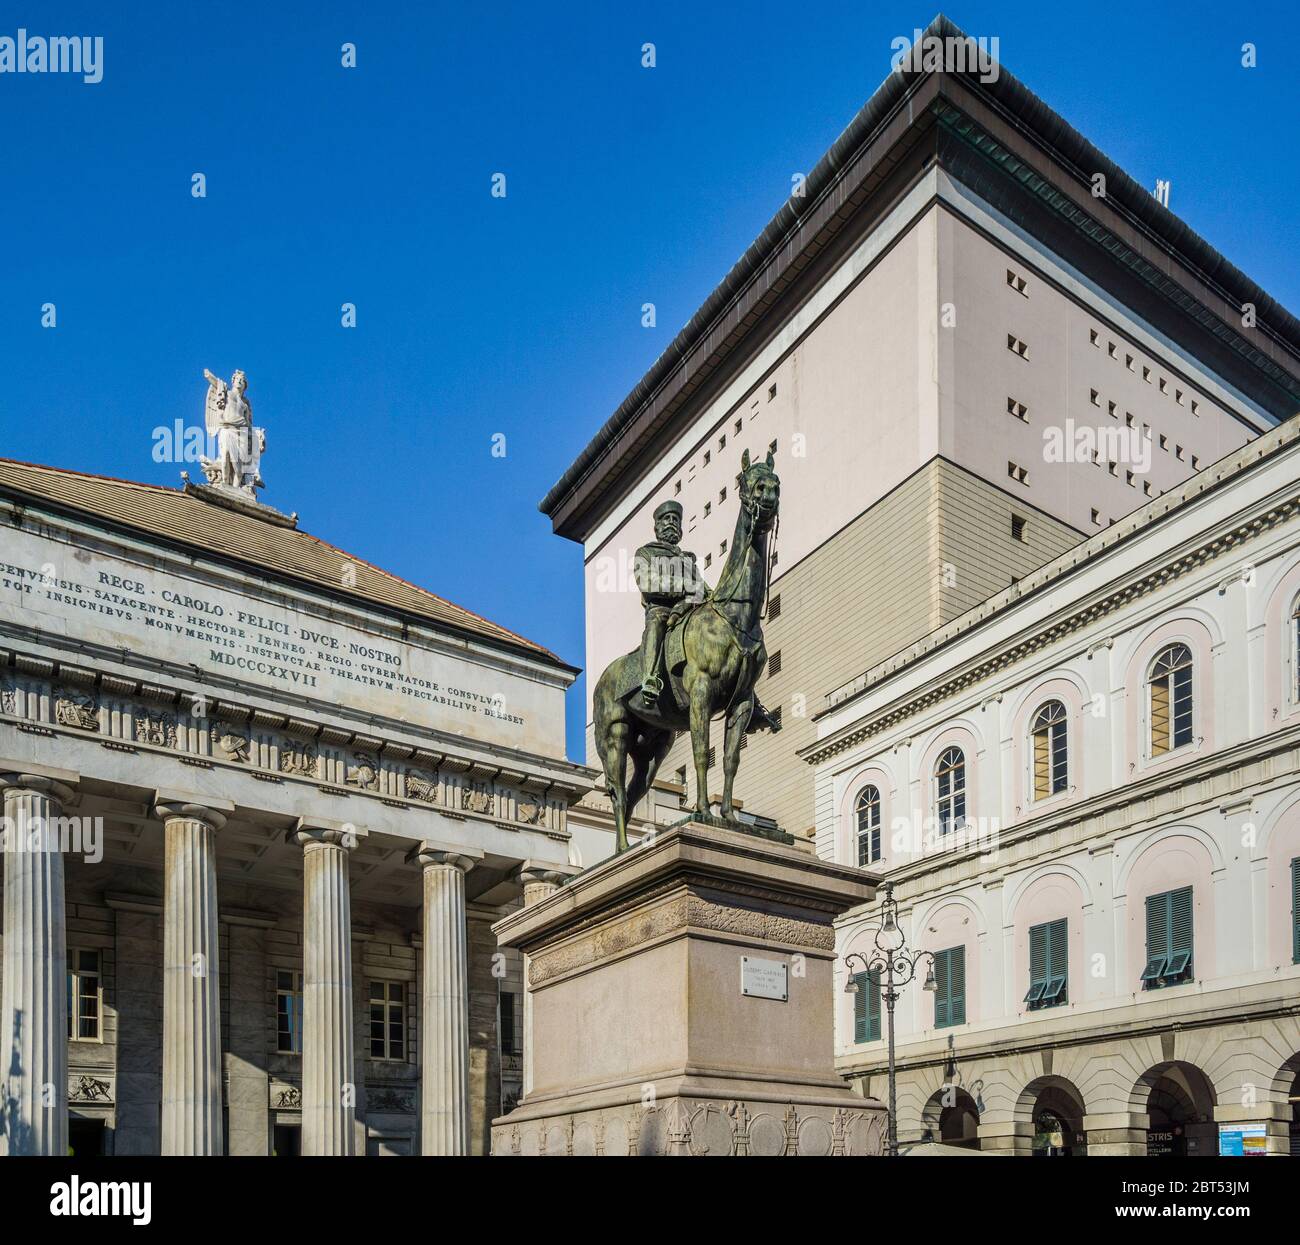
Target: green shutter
{"x": 1295, "y": 909}
{"x": 950, "y": 978}
{"x": 873, "y": 1007}
{"x": 1169, "y": 938}
{"x": 866, "y": 1008}
{"x": 1048, "y": 963}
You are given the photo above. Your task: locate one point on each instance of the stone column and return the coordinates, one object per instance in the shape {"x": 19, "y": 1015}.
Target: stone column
{"x": 539, "y": 882}
{"x": 34, "y": 1001}
{"x": 191, "y": 1081}
{"x": 444, "y": 1004}
{"x": 328, "y": 1065}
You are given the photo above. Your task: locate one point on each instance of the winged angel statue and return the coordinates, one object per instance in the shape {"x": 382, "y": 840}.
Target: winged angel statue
{"x": 229, "y": 419}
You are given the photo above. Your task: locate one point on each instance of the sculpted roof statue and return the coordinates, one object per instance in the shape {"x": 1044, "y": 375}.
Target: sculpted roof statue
{"x": 229, "y": 419}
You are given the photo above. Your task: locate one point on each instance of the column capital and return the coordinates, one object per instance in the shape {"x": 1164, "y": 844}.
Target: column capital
{"x": 310, "y": 830}
{"x": 210, "y": 810}
{"x": 544, "y": 873}
{"x": 429, "y": 854}
{"x": 59, "y": 784}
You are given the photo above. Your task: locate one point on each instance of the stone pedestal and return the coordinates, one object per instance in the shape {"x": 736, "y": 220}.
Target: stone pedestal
{"x": 652, "y": 1028}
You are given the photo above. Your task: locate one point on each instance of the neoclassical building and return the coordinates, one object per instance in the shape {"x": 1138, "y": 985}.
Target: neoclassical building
{"x": 263, "y": 802}
{"x": 1086, "y": 791}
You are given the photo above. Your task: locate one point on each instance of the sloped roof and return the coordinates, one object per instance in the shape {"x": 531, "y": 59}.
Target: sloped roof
{"x": 274, "y": 549}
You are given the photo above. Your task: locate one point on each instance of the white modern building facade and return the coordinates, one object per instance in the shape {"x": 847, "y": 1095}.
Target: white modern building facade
{"x": 1086, "y": 792}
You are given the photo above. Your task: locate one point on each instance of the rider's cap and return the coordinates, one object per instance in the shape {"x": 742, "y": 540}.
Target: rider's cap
{"x": 666, "y": 508}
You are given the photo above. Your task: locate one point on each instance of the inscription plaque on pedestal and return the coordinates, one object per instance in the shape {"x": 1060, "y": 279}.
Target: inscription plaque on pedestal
{"x": 764, "y": 979}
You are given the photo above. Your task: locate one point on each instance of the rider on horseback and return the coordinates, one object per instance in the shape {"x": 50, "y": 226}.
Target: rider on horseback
{"x": 671, "y": 584}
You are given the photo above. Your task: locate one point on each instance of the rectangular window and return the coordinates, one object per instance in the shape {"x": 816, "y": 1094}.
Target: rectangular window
{"x": 774, "y": 664}
{"x": 1018, "y": 409}
{"x": 950, "y": 996}
{"x": 1017, "y": 347}
{"x": 774, "y": 607}
{"x": 387, "y": 1020}
{"x": 866, "y": 1008}
{"x": 1169, "y": 939}
{"x": 288, "y": 1011}
{"x": 1017, "y": 528}
{"x": 1017, "y": 283}
{"x": 84, "y": 995}
{"x": 1048, "y": 951}
{"x": 511, "y": 1038}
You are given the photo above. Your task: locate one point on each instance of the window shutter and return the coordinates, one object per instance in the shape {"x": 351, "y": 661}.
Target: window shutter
{"x": 957, "y": 986}
{"x": 873, "y": 1006}
{"x": 1059, "y": 948}
{"x": 1295, "y": 909}
{"x": 1038, "y": 967}
{"x": 941, "y": 993}
{"x": 1157, "y": 926}
{"x": 861, "y": 1008}
{"x": 1042, "y": 763}
{"x": 1160, "y": 716}
{"x": 1180, "y": 921}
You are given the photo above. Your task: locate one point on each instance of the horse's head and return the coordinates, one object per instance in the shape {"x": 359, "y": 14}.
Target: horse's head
{"x": 760, "y": 491}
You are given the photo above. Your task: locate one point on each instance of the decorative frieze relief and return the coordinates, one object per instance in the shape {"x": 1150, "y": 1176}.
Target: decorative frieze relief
{"x": 156, "y": 727}
{"x": 89, "y": 1088}
{"x": 688, "y": 1128}
{"x": 676, "y": 914}
{"x": 421, "y": 785}
{"x": 73, "y": 707}
{"x": 478, "y": 797}
{"x": 126, "y": 715}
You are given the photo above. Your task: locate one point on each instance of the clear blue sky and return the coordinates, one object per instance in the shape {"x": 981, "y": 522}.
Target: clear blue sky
{"x": 478, "y": 315}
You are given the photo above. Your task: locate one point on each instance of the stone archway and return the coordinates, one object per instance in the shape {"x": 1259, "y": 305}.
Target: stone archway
{"x": 1179, "y": 1102}
{"x": 951, "y": 1116}
{"x": 1051, "y": 1110}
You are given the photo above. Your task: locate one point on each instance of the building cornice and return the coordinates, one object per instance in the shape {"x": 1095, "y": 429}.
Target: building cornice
{"x": 1073, "y": 617}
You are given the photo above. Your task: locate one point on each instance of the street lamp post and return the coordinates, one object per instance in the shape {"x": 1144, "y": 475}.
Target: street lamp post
{"x": 894, "y": 966}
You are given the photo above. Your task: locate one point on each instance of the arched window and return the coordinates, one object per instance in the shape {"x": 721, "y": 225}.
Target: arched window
{"x": 950, "y": 789}
{"x": 1051, "y": 767}
{"x": 1170, "y": 682}
{"x": 867, "y": 812}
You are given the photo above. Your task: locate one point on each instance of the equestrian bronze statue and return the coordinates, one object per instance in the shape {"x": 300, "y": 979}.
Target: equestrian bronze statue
{"x": 699, "y": 659}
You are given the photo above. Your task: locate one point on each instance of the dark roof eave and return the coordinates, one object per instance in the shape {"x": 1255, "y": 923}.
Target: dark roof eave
{"x": 1033, "y": 116}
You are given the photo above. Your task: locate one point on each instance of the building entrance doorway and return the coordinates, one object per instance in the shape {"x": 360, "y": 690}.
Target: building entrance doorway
{"x": 86, "y": 1137}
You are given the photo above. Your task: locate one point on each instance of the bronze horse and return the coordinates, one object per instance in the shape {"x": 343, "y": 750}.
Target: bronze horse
{"x": 722, "y": 647}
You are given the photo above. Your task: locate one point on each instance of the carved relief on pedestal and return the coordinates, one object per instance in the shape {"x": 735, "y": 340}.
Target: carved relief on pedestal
{"x": 363, "y": 772}
{"x": 75, "y": 708}
{"x": 230, "y": 742}
{"x": 154, "y": 727}
{"x": 421, "y": 785}
{"x": 299, "y": 758}
{"x": 478, "y": 797}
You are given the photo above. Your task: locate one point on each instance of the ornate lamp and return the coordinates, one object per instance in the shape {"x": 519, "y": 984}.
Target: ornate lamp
{"x": 893, "y": 965}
